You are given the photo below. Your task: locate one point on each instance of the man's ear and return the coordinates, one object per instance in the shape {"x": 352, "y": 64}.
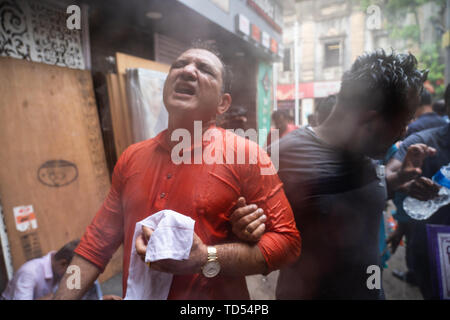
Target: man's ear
{"x": 368, "y": 118}
{"x": 225, "y": 103}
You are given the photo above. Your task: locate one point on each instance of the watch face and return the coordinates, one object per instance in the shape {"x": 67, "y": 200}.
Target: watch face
{"x": 211, "y": 269}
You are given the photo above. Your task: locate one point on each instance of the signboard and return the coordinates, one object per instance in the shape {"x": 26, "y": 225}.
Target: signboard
{"x": 243, "y": 24}
{"x": 281, "y": 50}
{"x": 439, "y": 249}
{"x": 273, "y": 46}
{"x": 25, "y": 218}
{"x": 286, "y": 91}
{"x": 265, "y": 40}
{"x": 268, "y": 10}
{"x": 264, "y": 105}
{"x": 222, "y": 4}
{"x": 324, "y": 89}
{"x": 308, "y": 90}
{"x": 256, "y": 33}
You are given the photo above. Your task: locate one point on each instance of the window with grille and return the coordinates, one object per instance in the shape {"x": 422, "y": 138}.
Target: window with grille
{"x": 332, "y": 52}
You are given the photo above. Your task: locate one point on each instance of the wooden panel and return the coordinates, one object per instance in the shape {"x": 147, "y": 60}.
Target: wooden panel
{"x": 124, "y": 62}
{"x": 52, "y": 156}
{"x": 117, "y": 114}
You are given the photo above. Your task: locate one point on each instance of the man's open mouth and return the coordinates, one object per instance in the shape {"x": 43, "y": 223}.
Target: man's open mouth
{"x": 185, "y": 89}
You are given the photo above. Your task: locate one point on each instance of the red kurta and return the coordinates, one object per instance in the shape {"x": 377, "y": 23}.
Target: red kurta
{"x": 145, "y": 181}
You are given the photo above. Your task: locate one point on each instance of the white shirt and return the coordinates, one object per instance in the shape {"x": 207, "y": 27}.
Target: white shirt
{"x": 33, "y": 280}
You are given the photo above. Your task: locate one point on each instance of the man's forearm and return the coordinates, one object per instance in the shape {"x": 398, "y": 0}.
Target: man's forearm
{"x": 241, "y": 259}
{"x": 394, "y": 177}
{"x": 393, "y": 182}
{"x": 87, "y": 275}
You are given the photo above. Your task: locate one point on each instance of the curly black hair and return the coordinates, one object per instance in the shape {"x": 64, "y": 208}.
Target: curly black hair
{"x": 381, "y": 82}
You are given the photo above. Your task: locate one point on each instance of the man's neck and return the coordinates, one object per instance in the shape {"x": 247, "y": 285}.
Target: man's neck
{"x": 331, "y": 131}
{"x": 187, "y": 124}
{"x": 55, "y": 276}
{"x": 424, "y": 110}
{"x": 282, "y": 130}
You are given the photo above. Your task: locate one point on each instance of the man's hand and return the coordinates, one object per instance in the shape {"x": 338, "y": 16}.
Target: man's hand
{"x": 197, "y": 257}
{"x": 400, "y": 175}
{"x": 421, "y": 188}
{"x": 248, "y": 221}
{"x": 412, "y": 164}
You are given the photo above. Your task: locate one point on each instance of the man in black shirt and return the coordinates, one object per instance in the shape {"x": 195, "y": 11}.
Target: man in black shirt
{"x": 335, "y": 190}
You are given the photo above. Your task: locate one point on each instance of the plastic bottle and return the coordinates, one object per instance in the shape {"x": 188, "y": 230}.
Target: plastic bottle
{"x": 421, "y": 210}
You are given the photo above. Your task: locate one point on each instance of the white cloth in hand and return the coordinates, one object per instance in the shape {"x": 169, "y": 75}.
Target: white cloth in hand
{"x": 172, "y": 239}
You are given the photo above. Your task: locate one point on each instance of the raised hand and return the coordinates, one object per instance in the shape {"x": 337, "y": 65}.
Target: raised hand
{"x": 411, "y": 166}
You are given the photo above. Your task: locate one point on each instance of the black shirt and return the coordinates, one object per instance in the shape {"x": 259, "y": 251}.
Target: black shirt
{"x": 337, "y": 200}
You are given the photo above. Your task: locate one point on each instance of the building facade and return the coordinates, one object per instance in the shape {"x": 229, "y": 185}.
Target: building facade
{"x": 331, "y": 34}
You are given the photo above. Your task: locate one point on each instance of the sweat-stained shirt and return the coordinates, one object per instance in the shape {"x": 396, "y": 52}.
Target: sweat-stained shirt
{"x": 146, "y": 180}
{"x": 338, "y": 199}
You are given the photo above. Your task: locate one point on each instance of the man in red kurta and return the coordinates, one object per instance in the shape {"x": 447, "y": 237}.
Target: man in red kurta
{"x": 146, "y": 179}
{"x": 281, "y": 122}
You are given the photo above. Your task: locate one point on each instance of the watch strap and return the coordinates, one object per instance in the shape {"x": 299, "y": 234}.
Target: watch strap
{"x": 212, "y": 253}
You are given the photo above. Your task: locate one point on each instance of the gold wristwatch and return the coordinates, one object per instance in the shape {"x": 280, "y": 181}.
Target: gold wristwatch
{"x": 212, "y": 266}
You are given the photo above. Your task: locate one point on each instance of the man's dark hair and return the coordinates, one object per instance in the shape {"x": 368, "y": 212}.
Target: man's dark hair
{"x": 447, "y": 97}
{"x": 231, "y": 119}
{"x": 278, "y": 114}
{"x": 324, "y": 108}
{"x": 311, "y": 120}
{"x": 236, "y": 111}
{"x": 227, "y": 75}
{"x": 439, "y": 107}
{"x": 67, "y": 251}
{"x": 425, "y": 98}
{"x": 381, "y": 82}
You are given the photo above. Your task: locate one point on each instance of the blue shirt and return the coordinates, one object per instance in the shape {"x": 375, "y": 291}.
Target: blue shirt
{"x": 438, "y": 138}
{"x": 426, "y": 121}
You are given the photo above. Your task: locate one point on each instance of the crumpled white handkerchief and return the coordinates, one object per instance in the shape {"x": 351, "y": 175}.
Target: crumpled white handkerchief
{"x": 172, "y": 239}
